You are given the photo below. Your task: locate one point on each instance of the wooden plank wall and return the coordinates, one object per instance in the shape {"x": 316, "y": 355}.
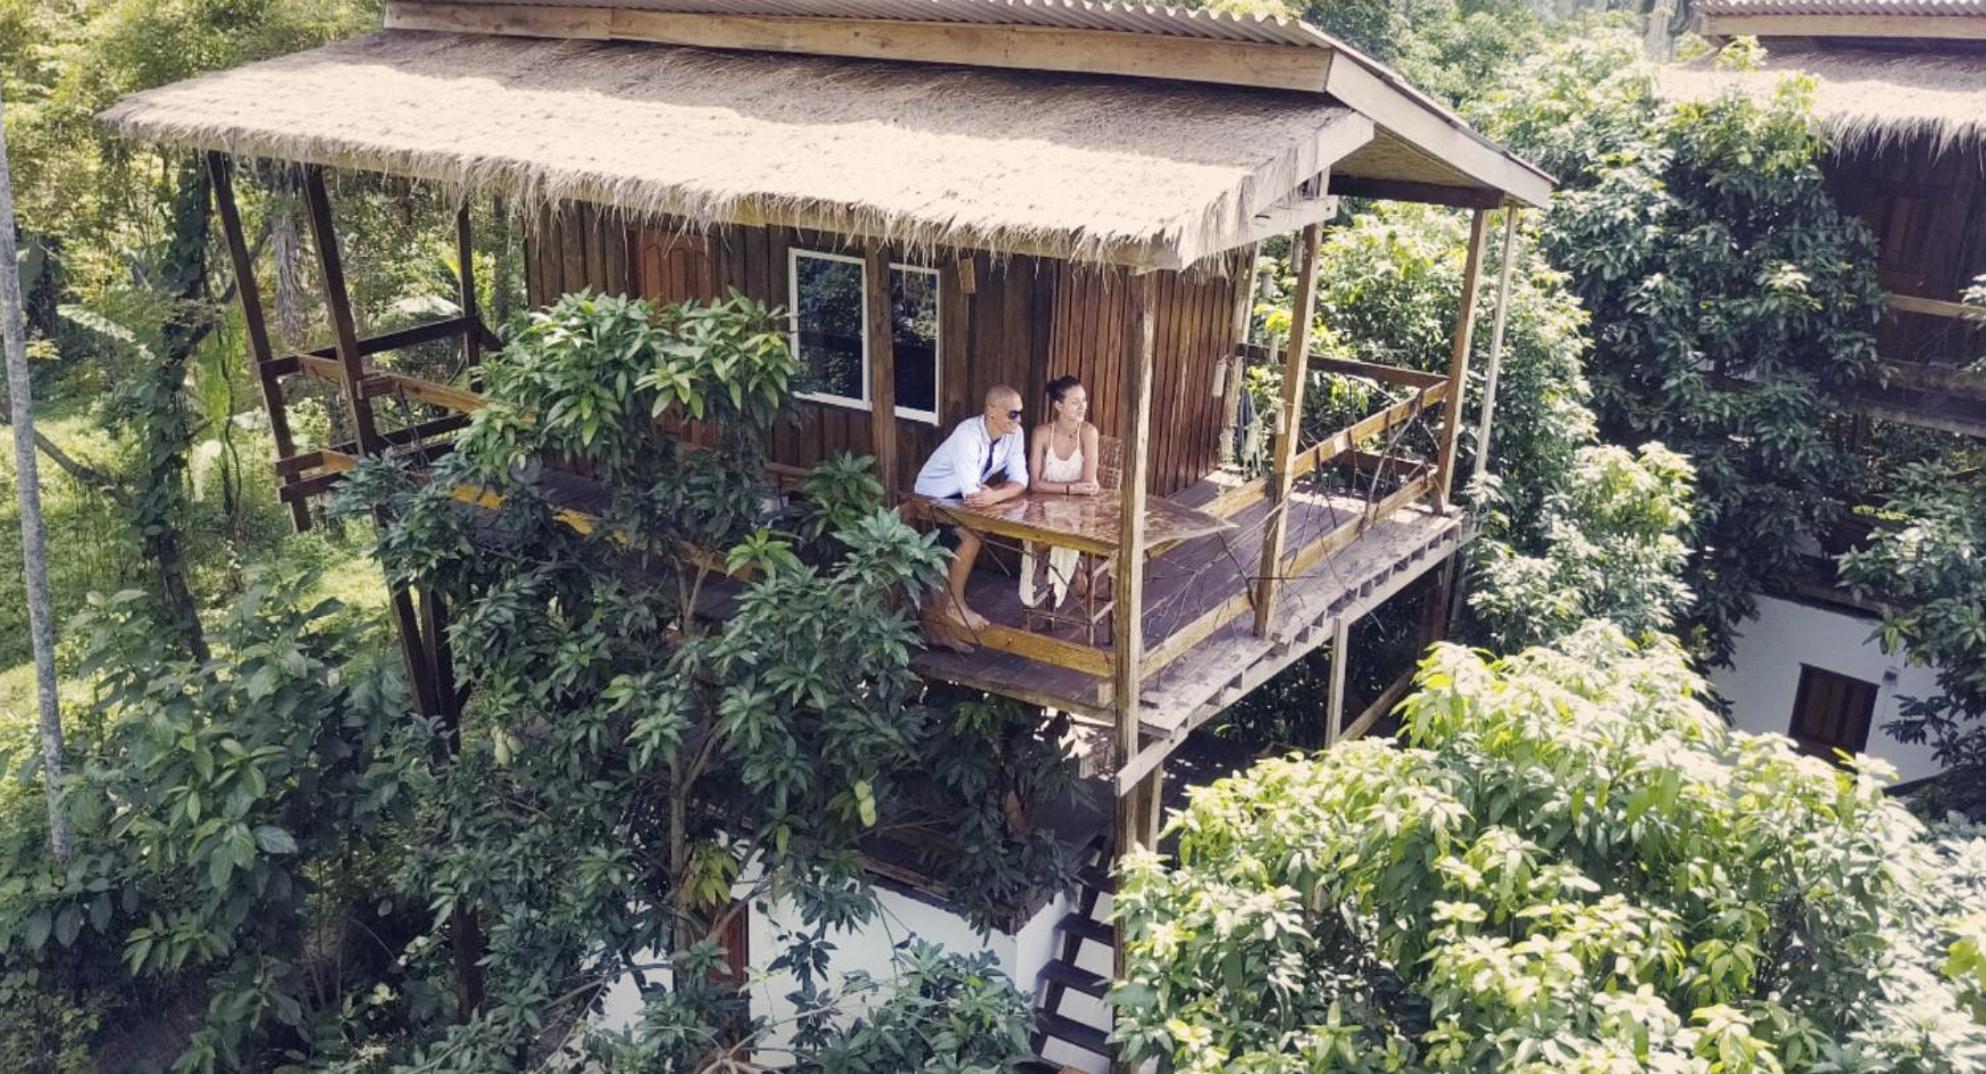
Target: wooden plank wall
{"x": 1194, "y": 331}
{"x": 1009, "y": 320}
{"x": 1927, "y": 208}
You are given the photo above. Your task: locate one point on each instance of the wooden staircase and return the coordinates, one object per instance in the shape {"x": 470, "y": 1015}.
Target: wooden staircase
{"x": 1064, "y": 975}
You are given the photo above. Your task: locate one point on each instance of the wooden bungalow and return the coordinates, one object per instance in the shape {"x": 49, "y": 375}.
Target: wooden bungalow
{"x": 949, "y": 195}
{"x": 1900, "y": 88}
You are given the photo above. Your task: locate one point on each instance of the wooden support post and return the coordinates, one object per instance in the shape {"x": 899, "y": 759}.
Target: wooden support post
{"x": 1334, "y": 703}
{"x": 1458, "y": 361}
{"x": 882, "y": 365}
{"x": 1496, "y": 339}
{"x": 1296, "y": 362}
{"x": 259, "y": 352}
{"x": 1136, "y": 814}
{"x": 465, "y": 252}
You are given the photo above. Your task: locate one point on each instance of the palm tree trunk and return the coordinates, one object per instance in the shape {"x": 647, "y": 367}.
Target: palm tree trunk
{"x": 34, "y": 535}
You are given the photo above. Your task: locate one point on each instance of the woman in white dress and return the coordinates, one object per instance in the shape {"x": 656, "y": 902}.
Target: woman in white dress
{"x": 1063, "y": 461}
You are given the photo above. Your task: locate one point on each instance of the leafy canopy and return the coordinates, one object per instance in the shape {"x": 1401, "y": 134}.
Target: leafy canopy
{"x": 1732, "y": 300}
{"x": 1568, "y": 865}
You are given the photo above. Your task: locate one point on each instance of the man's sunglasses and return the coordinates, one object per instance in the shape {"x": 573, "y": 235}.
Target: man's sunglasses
{"x": 1013, "y": 415}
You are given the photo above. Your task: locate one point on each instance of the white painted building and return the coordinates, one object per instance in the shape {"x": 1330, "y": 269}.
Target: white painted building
{"x": 1816, "y": 672}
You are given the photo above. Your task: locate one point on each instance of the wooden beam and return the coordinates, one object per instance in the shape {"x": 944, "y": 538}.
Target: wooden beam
{"x": 1431, "y": 130}
{"x": 392, "y": 341}
{"x": 465, "y": 255}
{"x": 1458, "y": 358}
{"x": 1496, "y": 339}
{"x": 881, "y": 335}
{"x": 1938, "y": 27}
{"x": 1033, "y": 48}
{"x": 1937, "y": 307}
{"x": 1391, "y": 374}
{"x": 1942, "y": 379}
{"x": 445, "y": 396}
{"x": 220, "y": 172}
{"x": 1460, "y": 197}
{"x": 1290, "y": 428}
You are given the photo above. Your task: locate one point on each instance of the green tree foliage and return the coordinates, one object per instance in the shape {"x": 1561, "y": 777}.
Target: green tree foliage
{"x": 1732, "y": 300}
{"x": 1570, "y": 866}
{"x": 216, "y": 799}
{"x": 1926, "y": 562}
{"x": 1612, "y": 550}
{"x": 625, "y": 770}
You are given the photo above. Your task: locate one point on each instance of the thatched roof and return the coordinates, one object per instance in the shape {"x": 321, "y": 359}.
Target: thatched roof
{"x": 1861, "y": 95}
{"x": 1073, "y": 165}
{"x": 1841, "y": 7}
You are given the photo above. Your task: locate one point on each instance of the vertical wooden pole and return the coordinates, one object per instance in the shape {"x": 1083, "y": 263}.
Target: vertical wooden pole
{"x": 1458, "y": 361}
{"x": 259, "y": 350}
{"x": 1334, "y": 703}
{"x": 882, "y": 365}
{"x": 465, "y": 252}
{"x": 1296, "y": 370}
{"x": 1136, "y": 814}
{"x": 1496, "y": 338}
{"x": 351, "y": 367}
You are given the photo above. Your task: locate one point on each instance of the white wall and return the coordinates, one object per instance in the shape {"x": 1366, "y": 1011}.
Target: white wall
{"x": 1764, "y": 674}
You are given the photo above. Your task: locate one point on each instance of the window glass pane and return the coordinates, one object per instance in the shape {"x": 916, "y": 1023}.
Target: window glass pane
{"x": 914, "y": 316}
{"x": 827, "y": 309}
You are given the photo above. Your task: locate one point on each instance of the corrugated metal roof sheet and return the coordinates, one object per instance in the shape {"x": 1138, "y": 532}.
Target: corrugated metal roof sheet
{"x": 1062, "y": 14}
{"x": 1841, "y": 7}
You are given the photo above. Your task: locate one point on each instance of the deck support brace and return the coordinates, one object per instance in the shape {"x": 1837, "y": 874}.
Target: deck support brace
{"x": 1289, "y": 428}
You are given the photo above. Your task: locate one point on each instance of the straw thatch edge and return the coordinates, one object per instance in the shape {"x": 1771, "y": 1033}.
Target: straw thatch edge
{"x": 1195, "y": 235}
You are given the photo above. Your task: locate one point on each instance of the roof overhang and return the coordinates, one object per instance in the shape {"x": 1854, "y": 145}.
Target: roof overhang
{"x": 1134, "y": 172}
{"x": 1420, "y": 142}
{"x": 1860, "y": 96}
{"x": 1146, "y": 137}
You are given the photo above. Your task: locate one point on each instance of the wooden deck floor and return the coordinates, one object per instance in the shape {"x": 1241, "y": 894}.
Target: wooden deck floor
{"x": 1182, "y": 584}
{"x": 1193, "y": 578}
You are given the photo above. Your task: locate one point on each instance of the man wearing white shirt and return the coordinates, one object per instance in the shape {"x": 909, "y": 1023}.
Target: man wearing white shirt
{"x": 982, "y": 463}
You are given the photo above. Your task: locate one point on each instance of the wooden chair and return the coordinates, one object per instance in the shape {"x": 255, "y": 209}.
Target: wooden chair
{"x": 1098, "y": 598}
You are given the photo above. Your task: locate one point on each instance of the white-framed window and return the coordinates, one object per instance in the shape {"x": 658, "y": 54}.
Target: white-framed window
{"x": 828, "y": 299}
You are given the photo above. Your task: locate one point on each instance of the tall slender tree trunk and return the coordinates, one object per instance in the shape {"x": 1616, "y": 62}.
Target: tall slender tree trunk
{"x": 34, "y": 535}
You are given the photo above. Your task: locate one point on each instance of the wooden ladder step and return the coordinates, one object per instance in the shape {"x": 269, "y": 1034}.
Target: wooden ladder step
{"x": 1089, "y": 929}
{"x": 1096, "y": 878}
{"x": 1087, "y": 1037}
{"x": 1076, "y": 978}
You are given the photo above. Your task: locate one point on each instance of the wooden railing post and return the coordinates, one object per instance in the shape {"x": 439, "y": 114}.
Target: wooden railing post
{"x": 1458, "y": 361}
{"x": 1296, "y": 370}
{"x": 882, "y": 365}
{"x": 220, "y": 171}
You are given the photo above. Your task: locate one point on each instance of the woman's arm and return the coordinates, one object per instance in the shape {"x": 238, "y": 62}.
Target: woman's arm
{"x": 1035, "y": 459}
{"x": 1092, "y": 441}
